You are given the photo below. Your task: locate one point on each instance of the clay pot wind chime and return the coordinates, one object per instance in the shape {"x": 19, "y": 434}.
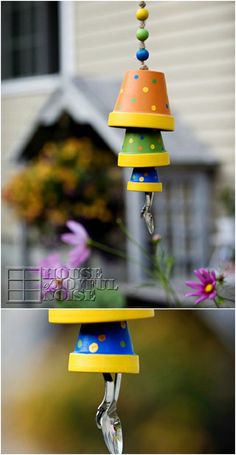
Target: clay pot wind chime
{"x": 104, "y": 346}
{"x": 142, "y": 107}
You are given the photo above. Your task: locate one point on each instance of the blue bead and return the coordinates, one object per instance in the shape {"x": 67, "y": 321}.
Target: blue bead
{"x": 142, "y": 54}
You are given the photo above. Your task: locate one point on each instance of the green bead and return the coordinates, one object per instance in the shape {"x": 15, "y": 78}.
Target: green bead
{"x": 142, "y": 34}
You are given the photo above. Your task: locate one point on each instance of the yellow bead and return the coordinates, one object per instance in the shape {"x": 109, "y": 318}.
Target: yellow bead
{"x": 142, "y": 14}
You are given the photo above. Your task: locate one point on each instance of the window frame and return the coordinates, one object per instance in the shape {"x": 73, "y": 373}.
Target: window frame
{"x": 47, "y": 82}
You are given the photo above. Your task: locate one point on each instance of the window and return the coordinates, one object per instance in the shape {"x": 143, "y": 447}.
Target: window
{"x": 29, "y": 38}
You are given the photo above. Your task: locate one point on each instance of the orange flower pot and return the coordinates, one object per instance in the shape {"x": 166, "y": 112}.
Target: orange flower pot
{"x": 142, "y": 102}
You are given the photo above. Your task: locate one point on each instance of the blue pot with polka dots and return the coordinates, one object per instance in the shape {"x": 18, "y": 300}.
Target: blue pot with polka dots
{"x": 104, "y": 347}
{"x": 144, "y": 179}
{"x": 104, "y": 338}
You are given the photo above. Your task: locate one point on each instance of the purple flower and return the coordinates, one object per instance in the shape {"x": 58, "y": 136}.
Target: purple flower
{"x": 80, "y": 238}
{"x": 53, "y": 276}
{"x": 51, "y": 261}
{"x": 206, "y": 289}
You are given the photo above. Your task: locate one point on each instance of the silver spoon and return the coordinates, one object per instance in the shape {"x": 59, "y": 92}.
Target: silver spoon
{"x": 146, "y": 212}
{"x": 107, "y": 418}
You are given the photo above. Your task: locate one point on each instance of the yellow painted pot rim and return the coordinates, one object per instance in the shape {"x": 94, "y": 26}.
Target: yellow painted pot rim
{"x": 103, "y": 363}
{"x": 143, "y": 159}
{"x": 141, "y": 120}
{"x": 146, "y": 187}
{"x": 81, "y": 316}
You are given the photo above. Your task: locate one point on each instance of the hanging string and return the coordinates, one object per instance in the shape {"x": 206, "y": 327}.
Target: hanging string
{"x": 142, "y": 35}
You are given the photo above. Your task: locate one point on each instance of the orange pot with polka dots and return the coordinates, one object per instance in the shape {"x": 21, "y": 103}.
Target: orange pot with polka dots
{"x": 142, "y": 102}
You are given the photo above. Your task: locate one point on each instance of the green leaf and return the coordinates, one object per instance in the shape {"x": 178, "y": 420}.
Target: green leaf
{"x": 219, "y": 300}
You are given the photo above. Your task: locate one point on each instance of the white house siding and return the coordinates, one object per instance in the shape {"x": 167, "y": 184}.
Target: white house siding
{"x": 18, "y": 112}
{"x": 192, "y": 42}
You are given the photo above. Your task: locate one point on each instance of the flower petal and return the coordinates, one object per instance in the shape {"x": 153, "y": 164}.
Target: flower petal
{"x": 201, "y": 299}
{"x": 201, "y": 275}
{"x": 71, "y": 239}
{"x": 52, "y": 260}
{"x": 193, "y": 294}
{"x": 78, "y": 256}
{"x": 213, "y": 295}
{"x": 213, "y": 275}
{"x": 78, "y": 229}
{"x": 193, "y": 284}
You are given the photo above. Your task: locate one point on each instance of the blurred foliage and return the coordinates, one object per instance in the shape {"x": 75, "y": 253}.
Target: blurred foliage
{"x": 228, "y": 200}
{"x": 68, "y": 179}
{"x": 181, "y": 402}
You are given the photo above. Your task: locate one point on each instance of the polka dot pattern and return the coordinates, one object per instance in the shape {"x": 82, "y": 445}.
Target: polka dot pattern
{"x": 143, "y": 92}
{"x": 104, "y": 338}
{"x": 148, "y": 142}
{"x": 146, "y": 175}
{"x": 101, "y": 338}
{"x": 79, "y": 344}
{"x": 93, "y": 347}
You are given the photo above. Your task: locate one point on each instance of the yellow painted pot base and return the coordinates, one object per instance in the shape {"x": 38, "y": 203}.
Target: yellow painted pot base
{"x": 146, "y": 187}
{"x": 141, "y": 120}
{"x": 143, "y": 159}
{"x": 80, "y": 316}
{"x": 100, "y": 363}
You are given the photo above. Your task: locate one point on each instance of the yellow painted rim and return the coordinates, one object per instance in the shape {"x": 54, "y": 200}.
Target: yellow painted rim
{"x": 103, "y": 363}
{"x": 143, "y": 160}
{"x": 136, "y": 186}
{"x": 141, "y": 120}
{"x": 81, "y": 316}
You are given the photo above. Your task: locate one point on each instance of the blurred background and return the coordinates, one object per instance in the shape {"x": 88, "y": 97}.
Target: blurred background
{"x": 62, "y": 67}
{"x": 181, "y": 402}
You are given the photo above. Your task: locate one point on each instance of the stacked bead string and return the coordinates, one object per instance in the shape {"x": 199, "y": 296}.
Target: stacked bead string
{"x": 142, "y": 35}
